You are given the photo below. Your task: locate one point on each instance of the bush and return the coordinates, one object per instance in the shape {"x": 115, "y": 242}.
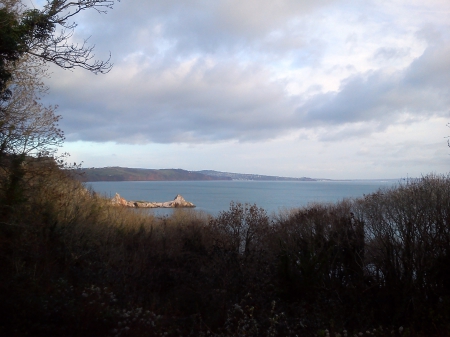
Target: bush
{"x": 408, "y": 240}
{"x": 74, "y": 265}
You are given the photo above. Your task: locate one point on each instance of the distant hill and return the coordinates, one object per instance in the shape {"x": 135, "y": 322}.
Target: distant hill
{"x": 138, "y": 174}
{"x": 258, "y": 177}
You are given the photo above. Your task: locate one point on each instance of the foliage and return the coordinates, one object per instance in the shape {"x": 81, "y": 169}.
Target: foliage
{"x": 46, "y": 33}
{"x": 26, "y": 126}
{"x": 243, "y": 225}
{"x": 29, "y": 132}
{"x": 74, "y": 265}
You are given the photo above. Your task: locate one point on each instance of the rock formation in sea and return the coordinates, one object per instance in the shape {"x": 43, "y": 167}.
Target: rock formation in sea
{"x": 177, "y": 202}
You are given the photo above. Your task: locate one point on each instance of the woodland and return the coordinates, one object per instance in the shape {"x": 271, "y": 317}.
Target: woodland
{"x": 72, "y": 264}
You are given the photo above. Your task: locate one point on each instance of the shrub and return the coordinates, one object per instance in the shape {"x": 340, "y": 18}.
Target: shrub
{"x": 73, "y": 264}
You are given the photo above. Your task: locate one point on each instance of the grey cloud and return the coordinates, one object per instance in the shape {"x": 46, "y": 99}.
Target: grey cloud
{"x": 349, "y": 131}
{"x": 360, "y": 98}
{"x": 432, "y": 69}
{"x": 430, "y": 34}
{"x": 208, "y": 103}
{"x": 423, "y": 89}
{"x": 199, "y": 26}
{"x": 391, "y": 53}
{"x": 199, "y": 72}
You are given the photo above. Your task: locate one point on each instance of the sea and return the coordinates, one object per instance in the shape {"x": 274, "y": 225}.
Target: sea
{"x": 214, "y": 197}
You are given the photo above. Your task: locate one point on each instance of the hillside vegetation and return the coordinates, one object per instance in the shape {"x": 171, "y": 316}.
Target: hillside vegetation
{"x": 116, "y": 173}
{"x": 137, "y": 174}
{"x": 74, "y": 265}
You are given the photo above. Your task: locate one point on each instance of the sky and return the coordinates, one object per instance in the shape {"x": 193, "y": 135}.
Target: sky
{"x": 336, "y": 89}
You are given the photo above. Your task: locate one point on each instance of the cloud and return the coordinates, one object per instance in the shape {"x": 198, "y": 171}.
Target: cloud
{"x": 200, "y": 101}
{"x": 419, "y": 91}
{"x": 192, "y": 102}
{"x": 199, "y": 26}
{"x": 208, "y": 72}
{"x": 391, "y": 53}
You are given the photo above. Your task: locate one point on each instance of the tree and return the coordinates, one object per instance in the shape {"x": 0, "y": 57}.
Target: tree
{"x": 9, "y": 49}
{"x": 448, "y": 140}
{"x": 44, "y": 41}
{"x": 29, "y": 131}
{"x": 242, "y": 226}
{"x": 26, "y": 126}
{"x": 29, "y": 40}
{"x": 45, "y": 33}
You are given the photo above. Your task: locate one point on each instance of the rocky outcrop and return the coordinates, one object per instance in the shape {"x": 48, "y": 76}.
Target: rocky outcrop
{"x": 177, "y": 202}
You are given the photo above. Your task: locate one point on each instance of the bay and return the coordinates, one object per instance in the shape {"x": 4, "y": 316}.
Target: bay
{"x": 215, "y": 196}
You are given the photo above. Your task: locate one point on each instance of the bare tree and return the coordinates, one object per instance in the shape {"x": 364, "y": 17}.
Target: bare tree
{"x": 242, "y": 226}
{"x": 52, "y": 28}
{"x": 46, "y": 33}
{"x": 29, "y": 132}
{"x": 448, "y": 137}
{"x": 29, "y": 40}
{"x": 27, "y": 127}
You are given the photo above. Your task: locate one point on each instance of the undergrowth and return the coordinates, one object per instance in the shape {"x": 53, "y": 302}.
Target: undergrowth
{"x": 74, "y": 265}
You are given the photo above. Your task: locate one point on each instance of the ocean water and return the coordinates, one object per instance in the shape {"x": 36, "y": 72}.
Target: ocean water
{"x": 215, "y": 196}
